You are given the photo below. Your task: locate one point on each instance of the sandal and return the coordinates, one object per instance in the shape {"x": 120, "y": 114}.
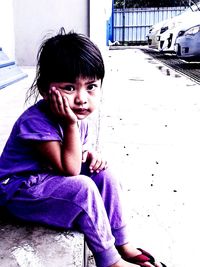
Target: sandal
{"x": 142, "y": 258}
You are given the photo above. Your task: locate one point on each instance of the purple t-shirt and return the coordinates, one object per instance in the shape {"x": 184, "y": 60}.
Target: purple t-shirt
{"x": 36, "y": 123}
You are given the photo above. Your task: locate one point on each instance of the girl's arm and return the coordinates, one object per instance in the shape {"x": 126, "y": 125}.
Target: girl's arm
{"x": 65, "y": 157}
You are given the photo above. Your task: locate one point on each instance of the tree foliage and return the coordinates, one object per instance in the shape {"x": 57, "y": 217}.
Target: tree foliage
{"x": 150, "y": 3}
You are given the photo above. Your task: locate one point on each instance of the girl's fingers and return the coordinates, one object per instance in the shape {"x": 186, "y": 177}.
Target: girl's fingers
{"x": 56, "y": 99}
{"x": 65, "y": 102}
{"x": 53, "y": 98}
{"x": 94, "y": 164}
{"x": 84, "y": 156}
{"x": 104, "y": 165}
{"x": 98, "y": 165}
{"x": 60, "y": 106}
{"x": 59, "y": 102}
{"x": 66, "y": 106}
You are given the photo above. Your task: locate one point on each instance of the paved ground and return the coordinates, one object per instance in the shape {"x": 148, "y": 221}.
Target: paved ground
{"x": 149, "y": 131}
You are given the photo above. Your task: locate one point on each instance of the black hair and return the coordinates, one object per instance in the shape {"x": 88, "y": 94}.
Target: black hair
{"x": 64, "y": 58}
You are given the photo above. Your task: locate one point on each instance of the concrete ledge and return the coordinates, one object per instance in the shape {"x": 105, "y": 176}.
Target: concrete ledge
{"x": 24, "y": 245}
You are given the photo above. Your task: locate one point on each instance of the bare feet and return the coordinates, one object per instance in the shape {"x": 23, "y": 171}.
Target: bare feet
{"x": 127, "y": 251}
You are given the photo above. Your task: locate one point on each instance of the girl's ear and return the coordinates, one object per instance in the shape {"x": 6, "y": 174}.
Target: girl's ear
{"x": 45, "y": 95}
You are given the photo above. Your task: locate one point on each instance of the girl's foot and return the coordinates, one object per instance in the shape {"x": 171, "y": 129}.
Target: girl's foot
{"x": 123, "y": 263}
{"x": 128, "y": 252}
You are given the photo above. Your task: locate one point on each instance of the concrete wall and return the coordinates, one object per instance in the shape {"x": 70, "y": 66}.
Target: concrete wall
{"x": 34, "y": 19}
{"x": 100, "y": 12}
{"x": 24, "y": 24}
{"x": 7, "y": 42}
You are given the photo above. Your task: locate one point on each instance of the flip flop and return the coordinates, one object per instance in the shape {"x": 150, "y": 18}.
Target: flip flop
{"x": 142, "y": 258}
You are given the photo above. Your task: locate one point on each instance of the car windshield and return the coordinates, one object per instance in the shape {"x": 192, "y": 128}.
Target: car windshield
{"x": 193, "y": 6}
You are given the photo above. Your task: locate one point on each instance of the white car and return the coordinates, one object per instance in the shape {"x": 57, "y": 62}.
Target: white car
{"x": 172, "y": 27}
{"x": 152, "y": 36}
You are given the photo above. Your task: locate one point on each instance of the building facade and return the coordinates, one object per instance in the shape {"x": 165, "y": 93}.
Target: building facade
{"x": 24, "y": 24}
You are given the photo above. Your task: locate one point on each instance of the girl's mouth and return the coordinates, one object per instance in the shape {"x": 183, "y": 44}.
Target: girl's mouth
{"x": 81, "y": 111}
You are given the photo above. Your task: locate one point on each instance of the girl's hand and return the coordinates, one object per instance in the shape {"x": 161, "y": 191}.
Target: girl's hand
{"x": 60, "y": 107}
{"x": 97, "y": 164}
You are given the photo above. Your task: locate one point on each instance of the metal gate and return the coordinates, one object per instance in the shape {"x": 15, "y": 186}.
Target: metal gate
{"x": 131, "y": 25}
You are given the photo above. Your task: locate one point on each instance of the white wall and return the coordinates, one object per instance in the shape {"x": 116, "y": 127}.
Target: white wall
{"x": 24, "y": 23}
{"x": 7, "y": 42}
{"x": 34, "y": 19}
{"x": 100, "y": 12}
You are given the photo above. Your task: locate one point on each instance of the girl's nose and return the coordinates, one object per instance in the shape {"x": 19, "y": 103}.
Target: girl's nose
{"x": 81, "y": 97}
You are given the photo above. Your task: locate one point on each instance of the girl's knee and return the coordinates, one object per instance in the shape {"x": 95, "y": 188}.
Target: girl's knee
{"x": 73, "y": 186}
{"x": 85, "y": 182}
{"x": 105, "y": 176}
{"x": 88, "y": 191}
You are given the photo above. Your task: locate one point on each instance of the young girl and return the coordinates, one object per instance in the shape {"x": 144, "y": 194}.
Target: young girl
{"x": 47, "y": 173}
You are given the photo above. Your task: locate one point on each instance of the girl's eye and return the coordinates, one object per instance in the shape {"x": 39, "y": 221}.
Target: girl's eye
{"x": 68, "y": 88}
{"x": 91, "y": 87}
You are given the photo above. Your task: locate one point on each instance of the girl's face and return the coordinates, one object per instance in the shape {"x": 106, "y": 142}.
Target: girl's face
{"x": 83, "y": 95}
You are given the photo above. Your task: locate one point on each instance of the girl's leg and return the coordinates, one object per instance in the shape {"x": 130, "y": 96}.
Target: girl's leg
{"x": 69, "y": 202}
{"x": 111, "y": 193}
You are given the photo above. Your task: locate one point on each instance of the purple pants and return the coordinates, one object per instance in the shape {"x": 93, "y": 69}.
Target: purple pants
{"x": 89, "y": 203}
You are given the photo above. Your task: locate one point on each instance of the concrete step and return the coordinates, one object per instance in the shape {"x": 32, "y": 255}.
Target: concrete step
{"x": 26, "y": 245}
{"x": 9, "y": 71}
{"x": 3, "y": 56}
{"x": 10, "y": 74}
{"x": 4, "y": 60}
{"x": 5, "y": 63}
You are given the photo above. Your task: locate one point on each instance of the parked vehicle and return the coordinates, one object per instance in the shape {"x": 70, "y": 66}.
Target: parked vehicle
{"x": 167, "y": 38}
{"x": 161, "y": 36}
{"x": 152, "y": 36}
{"x": 187, "y": 45}
{"x": 172, "y": 27}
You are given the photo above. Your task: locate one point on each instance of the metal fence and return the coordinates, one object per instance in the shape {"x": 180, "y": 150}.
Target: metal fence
{"x": 132, "y": 24}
